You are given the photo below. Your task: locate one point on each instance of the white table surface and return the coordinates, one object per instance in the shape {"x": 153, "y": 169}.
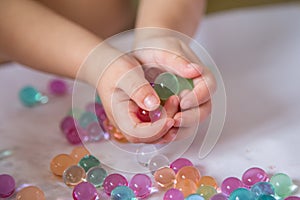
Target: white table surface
{"x": 258, "y": 54}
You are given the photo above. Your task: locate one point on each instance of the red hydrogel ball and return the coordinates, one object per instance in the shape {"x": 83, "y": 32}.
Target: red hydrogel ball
{"x": 143, "y": 115}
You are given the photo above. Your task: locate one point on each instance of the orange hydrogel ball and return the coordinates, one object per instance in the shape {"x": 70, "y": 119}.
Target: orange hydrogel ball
{"x": 78, "y": 153}
{"x": 30, "y": 193}
{"x": 60, "y": 163}
{"x": 114, "y": 132}
{"x": 188, "y": 172}
{"x": 164, "y": 177}
{"x": 117, "y": 135}
{"x": 186, "y": 186}
{"x": 208, "y": 181}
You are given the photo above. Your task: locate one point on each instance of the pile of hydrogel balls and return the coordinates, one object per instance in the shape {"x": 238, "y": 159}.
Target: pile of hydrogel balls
{"x": 180, "y": 180}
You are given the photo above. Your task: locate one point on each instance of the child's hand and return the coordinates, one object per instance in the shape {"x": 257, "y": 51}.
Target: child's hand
{"x": 173, "y": 55}
{"x": 122, "y": 87}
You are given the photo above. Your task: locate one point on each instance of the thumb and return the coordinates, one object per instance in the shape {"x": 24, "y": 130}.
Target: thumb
{"x": 134, "y": 84}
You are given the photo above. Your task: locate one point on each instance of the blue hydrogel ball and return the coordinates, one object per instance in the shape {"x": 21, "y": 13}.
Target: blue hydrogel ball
{"x": 29, "y": 96}
{"x": 263, "y": 188}
{"x": 97, "y": 99}
{"x": 87, "y": 118}
{"x": 266, "y": 197}
{"x": 242, "y": 194}
{"x": 122, "y": 193}
{"x": 194, "y": 197}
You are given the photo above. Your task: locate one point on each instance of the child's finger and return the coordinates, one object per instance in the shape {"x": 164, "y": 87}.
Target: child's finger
{"x": 193, "y": 116}
{"x": 177, "y": 63}
{"x": 134, "y": 84}
{"x": 204, "y": 88}
{"x": 171, "y": 106}
{"x": 124, "y": 113}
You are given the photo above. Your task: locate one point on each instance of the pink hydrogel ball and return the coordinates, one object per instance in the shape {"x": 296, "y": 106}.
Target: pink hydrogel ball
{"x": 173, "y": 194}
{"x": 179, "y": 163}
{"x": 141, "y": 185}
{"x": 230, "y": 184}
{"x": 254, "y": 175}
{"x": 112, "y": 181}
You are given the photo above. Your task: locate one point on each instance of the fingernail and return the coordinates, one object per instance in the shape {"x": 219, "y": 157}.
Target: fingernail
{"x": 170, "y": 123}
{"x": 185, "y": 104}
{"x": 151, "y": 102}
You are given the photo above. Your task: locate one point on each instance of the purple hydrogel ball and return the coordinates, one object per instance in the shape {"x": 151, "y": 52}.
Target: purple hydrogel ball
{"x": 179, "y": 163}
{"x": 230, "y": 184}
{"x": 85, "y": 191}
{"x": 67, "y": 124}
{"x": 254, "y": 175}
{"x": 7, "y": 185}
{"x": 263, "y": 188}
{"x": 155, "y": 114}
{"x": 58, "y": 87}
{"x": 141, "y": 185}
{"x": 112, "y": 181}
{"x": 219, "y": 196}
{"x": 173, "y": 194}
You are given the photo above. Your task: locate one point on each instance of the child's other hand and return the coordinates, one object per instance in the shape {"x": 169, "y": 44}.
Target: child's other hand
{"x": 122, "y": 87}
{"x": 173, "y": 55}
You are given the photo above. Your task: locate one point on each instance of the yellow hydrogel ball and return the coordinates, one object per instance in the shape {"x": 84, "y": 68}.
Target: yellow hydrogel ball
{"x": 206, "y": 191}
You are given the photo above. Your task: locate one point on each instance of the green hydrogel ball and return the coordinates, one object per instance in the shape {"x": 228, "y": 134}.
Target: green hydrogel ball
{"x": 185, "y": 84}
{"x": 88, "y": 161}
{"x": 283, "y": 184}
{"x": 96, "y": 176}
{"x": 206, "y": 191}
{"x": 166, "y": 85}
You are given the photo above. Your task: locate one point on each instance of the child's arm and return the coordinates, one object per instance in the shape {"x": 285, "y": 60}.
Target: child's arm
{"x": 179, "y": 15}
{"x": 38, "y": 37}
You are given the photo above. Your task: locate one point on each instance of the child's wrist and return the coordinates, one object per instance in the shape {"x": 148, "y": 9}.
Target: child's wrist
{"x": 96, "y": 63}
